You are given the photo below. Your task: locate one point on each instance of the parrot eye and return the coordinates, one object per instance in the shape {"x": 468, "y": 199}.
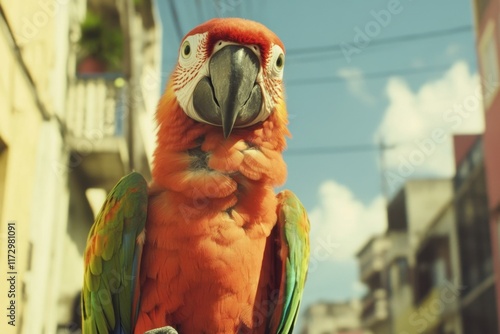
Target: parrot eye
{"x": 277, "y": 61}
{"x": 186, "y": 50}
{"x": 280, "y": 62}
{"x": 188, "y": 55}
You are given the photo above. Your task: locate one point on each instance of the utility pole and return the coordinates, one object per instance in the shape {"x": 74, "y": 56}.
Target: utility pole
{"x": 382, "y": 147}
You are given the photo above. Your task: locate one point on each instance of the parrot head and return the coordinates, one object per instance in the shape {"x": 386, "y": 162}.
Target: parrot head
{"x": 229, "y": 73}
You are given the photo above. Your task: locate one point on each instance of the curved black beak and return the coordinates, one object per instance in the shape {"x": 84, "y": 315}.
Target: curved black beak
{"x": 230, "y": 96}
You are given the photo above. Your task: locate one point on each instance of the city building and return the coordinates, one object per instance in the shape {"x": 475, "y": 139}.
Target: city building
{"x": 451, "y": 286}
{"x": 486, "y": 14}
{"x": 64, "y": 131}
{"x": 374, "y": 305}
{"x": 477, "y": 294}
{"x": 437, "y": 285}
{"x": 34, "y": 197}
{"x": 388, "y": 262}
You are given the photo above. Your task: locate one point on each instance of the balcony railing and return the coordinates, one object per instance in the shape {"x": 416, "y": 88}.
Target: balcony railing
{"x": 371, "y": 264}
{"x": 97, "y": 106}
{"x": 398, "y": 246}
{"x": 375, "y": 307}
{"x": 96, "y": 123}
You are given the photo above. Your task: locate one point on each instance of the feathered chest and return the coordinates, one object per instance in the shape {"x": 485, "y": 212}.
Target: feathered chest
{"x": 201, "y": 174}
{"x": 207, "y": 230}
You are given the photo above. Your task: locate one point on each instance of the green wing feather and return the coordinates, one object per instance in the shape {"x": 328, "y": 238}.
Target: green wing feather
{"x": 110, "y": 291}
{"x": 292, "y": 234}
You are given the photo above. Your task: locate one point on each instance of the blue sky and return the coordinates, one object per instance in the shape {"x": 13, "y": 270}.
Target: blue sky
{"x": 371, "y": 94}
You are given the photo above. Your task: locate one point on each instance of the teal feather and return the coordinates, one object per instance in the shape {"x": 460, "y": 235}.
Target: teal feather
{"x": 293, "y": 252}
{"x": 110, "y": 293}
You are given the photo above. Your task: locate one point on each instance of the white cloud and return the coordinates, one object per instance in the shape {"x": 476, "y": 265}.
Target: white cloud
{"x": 340, "y": 223}
{"x": 421, "y": 123}
{"x": 356, "y": 84}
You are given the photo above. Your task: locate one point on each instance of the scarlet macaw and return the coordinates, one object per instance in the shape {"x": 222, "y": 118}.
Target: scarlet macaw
{"x": 207, "y": 247}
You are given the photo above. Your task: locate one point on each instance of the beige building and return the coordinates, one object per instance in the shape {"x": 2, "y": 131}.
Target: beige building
{"x": 374, "y": 305}
{"x": 387, "y": 262}
{"x": 437, "y": 281}
{"x": 416, "y": 205}
{"x": 61, "y": 134}
{"x": 410, "y": 214}
{"x": 34, "y": 48}
{"x": 333, "y": 318}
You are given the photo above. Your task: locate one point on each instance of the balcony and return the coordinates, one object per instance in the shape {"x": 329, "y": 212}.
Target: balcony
{"x": 371, "y": 266}
{"x": 374, "y": 308}
{"x": 371, "y": 257}
{"x": 398, "y": 245}
{"x": 96, "y": 127}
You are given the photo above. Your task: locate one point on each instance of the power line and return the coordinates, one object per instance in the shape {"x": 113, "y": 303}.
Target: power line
{"x": 175, "y": 17}
{"x": 341, "y": 149}
{"x": 367, "y": 76}
{"x": 336, "y": 48}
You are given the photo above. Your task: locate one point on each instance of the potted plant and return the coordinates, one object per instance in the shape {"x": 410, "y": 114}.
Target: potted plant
{"x": 101, "y": 45}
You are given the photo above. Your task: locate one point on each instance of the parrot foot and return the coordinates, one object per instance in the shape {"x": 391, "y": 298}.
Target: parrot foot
{"x": 162, "y": 330}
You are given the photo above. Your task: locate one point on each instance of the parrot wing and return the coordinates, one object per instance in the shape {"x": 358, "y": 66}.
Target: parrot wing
{"x": 291, "y": 241}
{"x": 110, "y": 291}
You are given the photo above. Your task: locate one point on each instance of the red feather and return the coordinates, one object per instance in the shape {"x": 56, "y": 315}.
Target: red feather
{"x": 239, "y": 31}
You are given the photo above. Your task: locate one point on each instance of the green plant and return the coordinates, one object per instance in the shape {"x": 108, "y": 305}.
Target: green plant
{"x": 102, "y": 39}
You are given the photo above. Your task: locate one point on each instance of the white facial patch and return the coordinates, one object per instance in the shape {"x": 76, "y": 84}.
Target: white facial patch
{"x": 193, "y": 65}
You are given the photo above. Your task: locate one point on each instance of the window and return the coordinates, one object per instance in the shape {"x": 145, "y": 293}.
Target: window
{"x": 439, "y": 276}
{"x": 474, "y": 231}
